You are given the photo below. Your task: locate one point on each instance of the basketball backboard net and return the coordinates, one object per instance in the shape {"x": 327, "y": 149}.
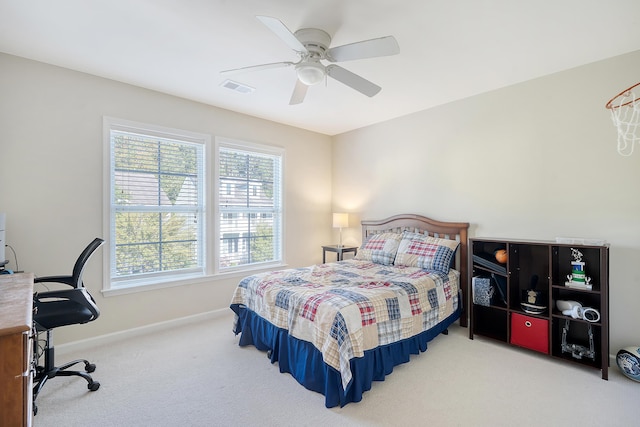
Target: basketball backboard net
{"x": 625, "y": 113}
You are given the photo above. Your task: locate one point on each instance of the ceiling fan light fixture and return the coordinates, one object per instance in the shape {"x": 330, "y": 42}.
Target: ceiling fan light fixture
{"x": 310, "y": 73}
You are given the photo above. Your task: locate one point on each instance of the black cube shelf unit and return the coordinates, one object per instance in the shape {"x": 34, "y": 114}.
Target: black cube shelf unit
{"x": 546, "y": 265}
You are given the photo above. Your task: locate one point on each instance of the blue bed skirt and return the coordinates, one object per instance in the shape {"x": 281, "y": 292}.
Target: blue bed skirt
{"x": 304, "y": 362}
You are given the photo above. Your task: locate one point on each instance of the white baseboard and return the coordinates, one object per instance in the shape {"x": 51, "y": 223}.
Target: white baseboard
{"x": 135, "y": 332}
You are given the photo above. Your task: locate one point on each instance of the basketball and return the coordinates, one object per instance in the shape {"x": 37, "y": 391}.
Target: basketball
{"x": 501, "y": 256}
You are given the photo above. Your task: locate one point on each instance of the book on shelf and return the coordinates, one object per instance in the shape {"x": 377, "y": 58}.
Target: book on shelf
{"x": 486, "y": 262}
{"x": 501, "y": 286}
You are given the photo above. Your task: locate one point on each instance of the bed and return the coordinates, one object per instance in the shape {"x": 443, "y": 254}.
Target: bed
{"x": 337, "y": 327}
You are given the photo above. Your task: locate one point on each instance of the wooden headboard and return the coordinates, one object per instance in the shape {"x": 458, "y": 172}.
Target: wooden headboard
{"x": 444, "y": 230}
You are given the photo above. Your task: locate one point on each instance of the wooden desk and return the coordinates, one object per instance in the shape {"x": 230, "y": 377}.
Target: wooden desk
{"x": 16, "y": 376}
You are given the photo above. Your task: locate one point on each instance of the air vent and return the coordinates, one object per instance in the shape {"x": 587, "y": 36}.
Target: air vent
{"x": 238, "y": 87}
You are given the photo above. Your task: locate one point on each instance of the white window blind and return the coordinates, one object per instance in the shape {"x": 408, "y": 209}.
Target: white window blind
{"x": 157, "y": 205}
{"x": 250, "y": 206}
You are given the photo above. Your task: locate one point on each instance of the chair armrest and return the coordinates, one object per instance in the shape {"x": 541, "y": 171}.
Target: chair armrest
{"x": 67, "y": 280}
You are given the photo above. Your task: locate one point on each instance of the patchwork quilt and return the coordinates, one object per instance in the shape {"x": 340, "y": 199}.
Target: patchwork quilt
{"x": 347, "y": 307}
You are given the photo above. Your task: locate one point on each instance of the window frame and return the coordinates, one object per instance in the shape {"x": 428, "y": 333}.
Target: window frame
{"x": 161, "y": 279}
{"x": 211, "y": 210}
{"x": 257, "y": 148}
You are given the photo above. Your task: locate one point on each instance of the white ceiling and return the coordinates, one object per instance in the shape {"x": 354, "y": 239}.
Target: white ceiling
{"x": 449, "y": 49}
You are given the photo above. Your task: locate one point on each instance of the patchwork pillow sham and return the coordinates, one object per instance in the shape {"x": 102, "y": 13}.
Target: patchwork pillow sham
{"x": 380, "y": 248}
{"x": 427, "y": 252}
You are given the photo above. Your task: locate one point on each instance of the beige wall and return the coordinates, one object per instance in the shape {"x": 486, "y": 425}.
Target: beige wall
{"x": 535, "y": 160}
{"x": 51, "y": 182}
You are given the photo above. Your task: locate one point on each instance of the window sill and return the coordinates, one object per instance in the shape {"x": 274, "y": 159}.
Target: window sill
{"x": 155, "y": 284}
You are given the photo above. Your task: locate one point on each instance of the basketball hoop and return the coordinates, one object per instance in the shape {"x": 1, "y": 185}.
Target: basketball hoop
{"x": 625, "y": 113}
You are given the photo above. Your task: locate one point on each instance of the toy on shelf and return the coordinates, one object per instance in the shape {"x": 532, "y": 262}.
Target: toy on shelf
{"x": 578, "y": 278}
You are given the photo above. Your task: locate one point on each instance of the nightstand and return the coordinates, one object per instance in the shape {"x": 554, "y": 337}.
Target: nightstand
{"x": 339, "y": 250}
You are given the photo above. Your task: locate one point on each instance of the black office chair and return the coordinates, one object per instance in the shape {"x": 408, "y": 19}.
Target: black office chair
{"x": 52, "y": 309}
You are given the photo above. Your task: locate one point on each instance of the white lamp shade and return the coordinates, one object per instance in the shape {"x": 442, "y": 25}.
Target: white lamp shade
{"x": 340, "y": 220}
{"x": 310, "y": 73}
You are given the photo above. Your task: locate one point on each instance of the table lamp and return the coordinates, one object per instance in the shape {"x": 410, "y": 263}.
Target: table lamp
{"x": 340, "y": 220}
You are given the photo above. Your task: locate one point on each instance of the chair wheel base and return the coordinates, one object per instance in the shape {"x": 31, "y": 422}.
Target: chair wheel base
{"x": 93, "y": 386}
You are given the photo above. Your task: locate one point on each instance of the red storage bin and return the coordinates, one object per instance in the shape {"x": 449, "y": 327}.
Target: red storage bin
{"x": 530, "y": 332}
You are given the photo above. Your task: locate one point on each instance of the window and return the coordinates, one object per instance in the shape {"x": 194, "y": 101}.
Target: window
{"x": 250, "y": 191}
{"x": 158, "y": 184}
{"x": 157, "y": 206}
{"x": 232, "y": 243}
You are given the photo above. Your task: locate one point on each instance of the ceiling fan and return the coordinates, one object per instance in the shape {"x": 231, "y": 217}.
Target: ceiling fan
{"x": 312, "y": 45}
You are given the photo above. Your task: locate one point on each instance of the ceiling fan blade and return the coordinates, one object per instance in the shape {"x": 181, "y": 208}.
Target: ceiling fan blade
{"x": 299, "y": 92}
{"x": 283, "y": 33}
{"x": 257, "y": 67}
{"x": 352, "y": 80}
{"x": 383, "y": 46}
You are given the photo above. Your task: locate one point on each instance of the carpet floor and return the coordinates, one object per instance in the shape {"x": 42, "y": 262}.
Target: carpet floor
{"x": 197, "y": 375}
